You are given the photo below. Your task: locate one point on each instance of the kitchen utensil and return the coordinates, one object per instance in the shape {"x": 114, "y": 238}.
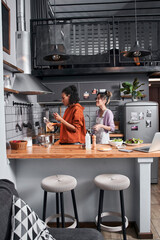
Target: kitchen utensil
{"x": 18, "y": 127}
{"x": 44, "y": 139}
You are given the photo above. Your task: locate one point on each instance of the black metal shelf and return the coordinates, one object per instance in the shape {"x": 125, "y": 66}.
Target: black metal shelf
{"x": 99, "y": 70}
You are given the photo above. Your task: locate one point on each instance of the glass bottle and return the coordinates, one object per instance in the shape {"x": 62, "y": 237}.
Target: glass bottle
{"x": 7, "y": 81}
{"x": 88, "y": 140}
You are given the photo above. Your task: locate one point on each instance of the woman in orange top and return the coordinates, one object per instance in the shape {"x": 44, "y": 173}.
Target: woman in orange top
{"x": 72, "y": 125}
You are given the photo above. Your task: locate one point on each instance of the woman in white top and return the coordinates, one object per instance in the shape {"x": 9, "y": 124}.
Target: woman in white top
{"x": 104, "y": 119}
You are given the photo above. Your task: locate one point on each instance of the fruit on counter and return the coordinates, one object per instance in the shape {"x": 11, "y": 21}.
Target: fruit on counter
{"x": 117, "y": 140}
{"x": 134, "y": 140}
{"x": 17, "y": 141}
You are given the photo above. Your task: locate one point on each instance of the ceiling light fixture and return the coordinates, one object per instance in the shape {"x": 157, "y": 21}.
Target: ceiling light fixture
{"x": 58, "y": 52}
{"x": 137, "y": 50}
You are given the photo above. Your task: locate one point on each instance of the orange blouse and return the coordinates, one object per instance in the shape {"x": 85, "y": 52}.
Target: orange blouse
{"x": 73, "y": 115}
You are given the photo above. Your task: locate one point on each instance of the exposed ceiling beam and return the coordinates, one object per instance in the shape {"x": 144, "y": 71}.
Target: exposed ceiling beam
{"x": 100, "y": 3}
{"x": 107, "y": 10}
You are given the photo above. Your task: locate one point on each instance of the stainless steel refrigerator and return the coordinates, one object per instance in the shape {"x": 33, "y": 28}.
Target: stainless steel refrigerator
{"x": 141, "y": 120}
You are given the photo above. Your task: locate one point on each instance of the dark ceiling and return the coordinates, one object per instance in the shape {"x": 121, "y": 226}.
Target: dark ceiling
{"x": 106, "y": 8}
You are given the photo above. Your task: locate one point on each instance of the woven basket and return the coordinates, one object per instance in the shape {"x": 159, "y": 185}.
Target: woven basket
{"x": 20, "y": 144}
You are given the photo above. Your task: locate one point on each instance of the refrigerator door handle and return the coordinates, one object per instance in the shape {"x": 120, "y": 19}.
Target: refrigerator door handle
{"x": 133, "y": 122}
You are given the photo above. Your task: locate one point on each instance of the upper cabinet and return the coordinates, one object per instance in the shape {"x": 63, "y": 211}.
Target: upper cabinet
{"x": 87, "y": 91}
{"x": 56, "y": 89}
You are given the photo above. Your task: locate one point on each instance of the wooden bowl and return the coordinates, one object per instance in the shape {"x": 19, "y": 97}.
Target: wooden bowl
{"x": 18, "y": 144}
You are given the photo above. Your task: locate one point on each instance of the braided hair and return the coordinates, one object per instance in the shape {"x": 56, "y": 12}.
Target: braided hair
{"x": 72, "y": 91}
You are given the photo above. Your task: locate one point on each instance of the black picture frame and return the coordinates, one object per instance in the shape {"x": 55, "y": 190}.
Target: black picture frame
{"x": 6, "y": 27}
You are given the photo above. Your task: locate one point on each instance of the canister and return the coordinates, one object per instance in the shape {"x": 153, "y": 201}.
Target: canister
{"x": 7, "y": 81}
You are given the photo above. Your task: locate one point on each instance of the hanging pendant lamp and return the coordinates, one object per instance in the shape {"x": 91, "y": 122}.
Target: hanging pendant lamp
{"x": 58, "y": 53}
{"x": 137, "y": 50}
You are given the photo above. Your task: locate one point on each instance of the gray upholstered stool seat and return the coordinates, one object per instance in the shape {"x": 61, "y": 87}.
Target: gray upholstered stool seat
{"x": 113, "y": 182}
{"x": 59, "y": 184}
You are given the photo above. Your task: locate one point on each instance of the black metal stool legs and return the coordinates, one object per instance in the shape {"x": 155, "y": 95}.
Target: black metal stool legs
{"x": 44, "y": 206}
{"x": 75, "y": 207}
{"x": 100, "y": 209}
{"x": 62, "y": 209}
{"x": 57, "y": 208}
{"x": 123, "y": 215}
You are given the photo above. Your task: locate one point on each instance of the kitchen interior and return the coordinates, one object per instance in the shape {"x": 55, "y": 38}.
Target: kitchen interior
{"x": 93, "y": 38}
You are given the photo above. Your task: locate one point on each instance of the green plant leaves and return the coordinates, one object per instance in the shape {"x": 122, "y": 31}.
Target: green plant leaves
{"x": 131, "y": 88}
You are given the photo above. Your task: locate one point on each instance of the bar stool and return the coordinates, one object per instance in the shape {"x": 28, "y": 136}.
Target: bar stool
{"x": 113, "y": 182}
{"x": 60, "y": 184}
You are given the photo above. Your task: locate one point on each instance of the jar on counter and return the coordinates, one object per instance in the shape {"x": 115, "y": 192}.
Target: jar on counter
{"x": 7, "y": 81}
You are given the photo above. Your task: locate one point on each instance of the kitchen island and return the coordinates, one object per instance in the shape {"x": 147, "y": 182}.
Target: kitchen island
{"x": 85, "y": 165}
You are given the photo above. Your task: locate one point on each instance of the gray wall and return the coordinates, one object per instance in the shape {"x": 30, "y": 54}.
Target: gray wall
{"x": 13, "y": 28}
{"x": 109, "y": 82}
{"x": 6, "y": 171}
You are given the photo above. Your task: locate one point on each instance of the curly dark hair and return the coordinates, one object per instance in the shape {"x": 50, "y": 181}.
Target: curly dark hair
{"x": 72, "y": 91}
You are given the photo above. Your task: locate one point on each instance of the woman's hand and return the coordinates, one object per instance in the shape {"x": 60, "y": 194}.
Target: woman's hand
{"x": 57, "y": 117}
{"x": 50, "y": 126}
{"x": 60, "y": 119}
{"x": 97, "y": 127}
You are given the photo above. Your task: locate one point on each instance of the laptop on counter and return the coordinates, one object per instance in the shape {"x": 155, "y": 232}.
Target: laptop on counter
{"x": 155, "y": 145}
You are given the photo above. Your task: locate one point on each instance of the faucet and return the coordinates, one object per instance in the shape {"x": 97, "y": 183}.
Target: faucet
{"x": 89, "y": 129}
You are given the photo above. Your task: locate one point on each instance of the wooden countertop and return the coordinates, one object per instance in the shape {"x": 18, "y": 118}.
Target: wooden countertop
{"x": 56, "y": 135}
{"x": 119, "y": 135}
{"x": 75, "y": 151}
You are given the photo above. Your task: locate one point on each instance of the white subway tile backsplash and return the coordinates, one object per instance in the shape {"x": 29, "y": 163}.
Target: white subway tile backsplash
{"x": 13, "y": 116}
{"x": 9, "y": 134}
{"x": 37, "y": 112}
{"x": 93, "y": 109}
{"x": 86, "y": 109}
{"x": 92, "y": 114}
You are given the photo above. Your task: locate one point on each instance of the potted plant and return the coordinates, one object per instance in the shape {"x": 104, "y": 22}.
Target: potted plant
{"x": 131, "y": 88}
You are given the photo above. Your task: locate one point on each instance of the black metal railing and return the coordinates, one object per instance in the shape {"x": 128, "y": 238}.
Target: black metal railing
{"x": 95, "y": 43}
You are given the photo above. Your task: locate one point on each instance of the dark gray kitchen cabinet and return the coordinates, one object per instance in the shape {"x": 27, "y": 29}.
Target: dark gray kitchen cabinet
{"x": 56, "y": 89}
{"x": 82, "y": 87}
{"x": 99, "y": 85}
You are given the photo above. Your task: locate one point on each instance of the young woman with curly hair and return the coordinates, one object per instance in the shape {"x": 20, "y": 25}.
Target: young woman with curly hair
{"x": 72, "y": 124}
